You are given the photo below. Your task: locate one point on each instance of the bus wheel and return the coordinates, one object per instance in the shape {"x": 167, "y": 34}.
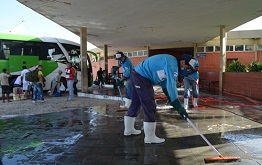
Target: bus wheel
{"x": 63, "y": 81}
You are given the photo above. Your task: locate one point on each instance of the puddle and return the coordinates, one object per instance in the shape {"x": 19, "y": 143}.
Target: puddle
{"x": 226, "y": 127}
{"x": 7, "y": 116}
{"x": 240, "y": 137}
{"x": 108, "y": 110}
{"x": 45, "y": 137}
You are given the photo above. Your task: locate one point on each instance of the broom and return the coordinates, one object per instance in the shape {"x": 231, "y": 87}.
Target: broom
{"x": 220, "y": 158}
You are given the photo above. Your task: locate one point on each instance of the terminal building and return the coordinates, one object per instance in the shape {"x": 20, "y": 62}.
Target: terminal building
{"x": 243, "y": 46}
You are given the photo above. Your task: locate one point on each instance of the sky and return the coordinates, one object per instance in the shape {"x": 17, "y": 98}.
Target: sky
{"x": 19, "y": 19}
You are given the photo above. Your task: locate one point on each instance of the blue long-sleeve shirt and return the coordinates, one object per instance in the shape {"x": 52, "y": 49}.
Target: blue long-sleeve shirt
{"x": 193, "y": 63}
{"x": 127, "y": 67}
{"x": 161, "y": 69}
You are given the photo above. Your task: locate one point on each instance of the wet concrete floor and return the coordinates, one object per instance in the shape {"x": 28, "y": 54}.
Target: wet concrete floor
{"x": 95, "y": 136}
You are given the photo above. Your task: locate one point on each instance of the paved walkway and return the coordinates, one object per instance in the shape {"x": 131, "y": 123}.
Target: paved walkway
{"x": 94, "y": 136}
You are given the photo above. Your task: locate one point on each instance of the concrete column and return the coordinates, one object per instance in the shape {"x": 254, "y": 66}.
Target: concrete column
{"x": 223, "y": 39}
{"x": 195, "y": 50}
{"x": 255, "y": 48}
{"x": 106, "y": 58}
{"x": 83, "y": 47}
{"x": 148, "y": 51}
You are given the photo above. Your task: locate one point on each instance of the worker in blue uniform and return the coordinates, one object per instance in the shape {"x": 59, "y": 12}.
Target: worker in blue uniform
{"x": 127, "y": 67}
{"x": 161, "y": 69}
{"x": 189, "y": 69}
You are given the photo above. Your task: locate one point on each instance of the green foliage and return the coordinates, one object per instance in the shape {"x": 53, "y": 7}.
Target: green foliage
{"x": 255, "y": 67}
{"x": 236, "y": 66}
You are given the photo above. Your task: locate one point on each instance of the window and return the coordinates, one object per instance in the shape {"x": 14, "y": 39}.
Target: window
{"x": 4, "y": 51}
{"x": 13, "y": 47}
{"x": 140, "y": 53}
{"x": 259, "y": 47}
{"x": 201, "y": 49}
{"x": 53, "y": 52}
{"x": 145, "y": 53}
{"x": 229, "y": 48}
{"x": 73, "y": 52}
{"x": 134, "y": 53}
{"x": 239, "y": 47}
{"x": 210, "y": 49}
{"x": 129, "y": 54}
{"x": 20, "y": 48}
{"x": 217, "y": 48}
{"x": 249, "y": 47}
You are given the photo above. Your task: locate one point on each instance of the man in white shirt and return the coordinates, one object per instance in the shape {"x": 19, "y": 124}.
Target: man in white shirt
{"x": 18, "y": 82}
{"x": 25, "y": 83}
{"x": 56, "y": 83}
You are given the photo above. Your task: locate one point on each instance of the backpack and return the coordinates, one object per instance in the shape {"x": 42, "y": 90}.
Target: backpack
{"x": 32, "y": 76}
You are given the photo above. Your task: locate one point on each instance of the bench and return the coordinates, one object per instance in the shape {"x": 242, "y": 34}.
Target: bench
{"x": 209, "y": 80}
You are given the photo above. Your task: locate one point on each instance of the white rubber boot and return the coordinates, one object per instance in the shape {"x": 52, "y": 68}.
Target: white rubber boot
{"x": 150, "y": 136}
{"x": 127, "y": 102}
{"x": 186, "y": 103}
{"x": 195, "y": 102}
{"x": 129, "y": 126}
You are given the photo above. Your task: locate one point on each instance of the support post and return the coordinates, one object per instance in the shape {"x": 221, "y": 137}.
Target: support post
{"x": 148, "y": 51}
{"x": 84, "y": 69}
{"x": 195, "y": 50}
{"x": 255, "y": 48}
{"x": 223, "y": 39}
{"x": 106, "y": 58}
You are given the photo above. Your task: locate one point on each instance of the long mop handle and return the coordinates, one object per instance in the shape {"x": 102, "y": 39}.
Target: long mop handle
{"x": 193, "y": 125}
{"x": 118, "y": 87}
{"x": 121, "y": 96}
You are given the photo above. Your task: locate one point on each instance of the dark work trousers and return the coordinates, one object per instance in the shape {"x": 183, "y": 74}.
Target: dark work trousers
{"x": 74, "y": 87}
{"x": 142, "y": 95}
{"x": 128, "y": 89}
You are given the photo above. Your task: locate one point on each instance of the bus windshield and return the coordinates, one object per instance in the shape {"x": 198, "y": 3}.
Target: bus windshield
{"x": 74, "y": 55}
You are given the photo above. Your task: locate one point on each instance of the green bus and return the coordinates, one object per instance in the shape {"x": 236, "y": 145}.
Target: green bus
{"x": 18, "y": 50}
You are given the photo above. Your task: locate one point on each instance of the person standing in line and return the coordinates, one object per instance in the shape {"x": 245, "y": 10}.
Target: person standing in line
{"x": 25, "y": 83}
{"x": 189, "y": 69}
{"x": 75, "y": 81}
{"x": 99, "y": 78}
{"x": 4, "y": 76}
{"x": 38, "y": 86}
{"x": 127, "y": 67}
{"x": 70, "y": 76}
{"x": 55, "y": 83}
{"x": 161, "y": 69}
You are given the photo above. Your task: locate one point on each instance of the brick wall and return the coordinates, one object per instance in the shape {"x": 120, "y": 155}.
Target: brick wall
{"x": 247, "y": 84}
{"x": 211, "y": 63}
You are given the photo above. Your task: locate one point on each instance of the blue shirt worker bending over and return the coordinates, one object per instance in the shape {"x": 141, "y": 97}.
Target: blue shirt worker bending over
{"x": 159, "y": 69}
{"x": 127, "y": 67}
{"x": 189, "y": 69}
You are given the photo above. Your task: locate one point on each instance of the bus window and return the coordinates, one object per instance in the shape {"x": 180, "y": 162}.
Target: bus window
{"x": 2, "y": 52}
{"x": 54, "y": 53}
{"x": 74, "y": 55}
{"x": 12, "y": 48}
{"x": 75, "y": 61}
{"x": 18, "y": 48}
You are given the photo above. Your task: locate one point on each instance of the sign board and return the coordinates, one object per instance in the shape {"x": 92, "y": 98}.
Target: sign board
{"x": 201, "y": 55}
